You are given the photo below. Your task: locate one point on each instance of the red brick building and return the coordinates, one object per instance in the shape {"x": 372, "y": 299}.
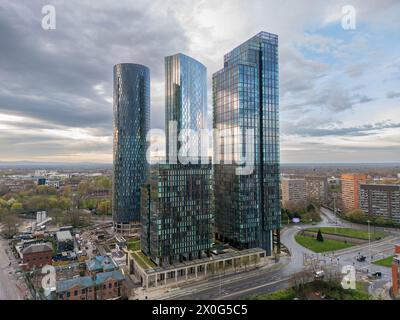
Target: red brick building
{"x": 103, "y": 286}
{"x": 395, "y": 271}
{"x": 37, "y": 255}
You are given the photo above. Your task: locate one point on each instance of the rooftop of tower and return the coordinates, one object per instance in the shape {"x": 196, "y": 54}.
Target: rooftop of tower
{"x": 261, "y": 36}
{"x": 179, "y": 54}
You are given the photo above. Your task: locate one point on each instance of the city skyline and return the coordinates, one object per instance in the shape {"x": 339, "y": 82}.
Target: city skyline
{"x": 339, "y": 96}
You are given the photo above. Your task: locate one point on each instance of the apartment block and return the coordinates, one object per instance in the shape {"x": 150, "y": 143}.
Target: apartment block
{"x": 293, "y": 191}
{"x": 350, "y": 190}
{"x": 317, "y": 189}
{"x": 381, "y": 200}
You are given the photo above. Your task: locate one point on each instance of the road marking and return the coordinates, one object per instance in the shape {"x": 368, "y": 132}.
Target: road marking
{"x": 254, "y": 288}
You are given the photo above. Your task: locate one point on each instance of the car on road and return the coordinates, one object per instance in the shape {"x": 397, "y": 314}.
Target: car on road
{"x": 319, "y": 274}
{"x": 361, "y": 258}
{"x": 376, "y": 274}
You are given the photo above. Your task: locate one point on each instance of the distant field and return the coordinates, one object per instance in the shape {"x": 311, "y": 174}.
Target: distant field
{"x": 386, "y": 262}
{"x": 327, "y": 245}
{"x": 348, "y": 232}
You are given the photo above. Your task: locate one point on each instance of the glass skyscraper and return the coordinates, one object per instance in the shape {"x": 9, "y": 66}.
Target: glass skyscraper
{"x": 177, "y": 214}
{"x": 131, "y": 108}
{"x": 185, "y": 100}
{"x": 246, "y": 96}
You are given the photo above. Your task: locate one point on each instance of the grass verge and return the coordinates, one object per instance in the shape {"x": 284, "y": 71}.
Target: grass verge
{"x": 318, "y": 246}
{"x": 349, "y": 232}
{"x": 386, "y": 262}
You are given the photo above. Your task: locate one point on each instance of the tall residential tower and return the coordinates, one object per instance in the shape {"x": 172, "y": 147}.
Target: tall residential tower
{"x": 131, "y": 109}
{"x": 245, "y": 100}
{"x": 177, "y": 214}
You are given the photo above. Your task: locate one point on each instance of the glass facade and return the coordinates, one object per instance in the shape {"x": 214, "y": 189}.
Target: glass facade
{"x": 185, "y": 99}
{"x": 246, "y": 96}
{"x": 131, "y": 108}
{"x": 177, "y": 215}
{"x": 178, "y": 221}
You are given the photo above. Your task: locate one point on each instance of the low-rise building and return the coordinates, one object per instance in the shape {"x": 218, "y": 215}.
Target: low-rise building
{"x": 100, "y": 264}
{"x": 101, "y": 286}
{"x": 65, "y": 241}
{"x": 79, "y": 288}
{"x": 110, "y": 285}
{"x": 37, "y": 255}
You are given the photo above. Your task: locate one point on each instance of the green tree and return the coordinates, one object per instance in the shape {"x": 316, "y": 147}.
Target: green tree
{"x": 356, "y": 215}
{"x": 16, "y": 206}
{"x": 320, "y": 238}
{"x": 67, "y": 191}
{"x": 311, "y": 208}
{"x": 103, "y": 182}
{"x": 104, "y": 207}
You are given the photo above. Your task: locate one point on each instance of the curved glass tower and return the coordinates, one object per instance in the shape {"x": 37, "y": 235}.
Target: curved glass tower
{"x": 185, "y": 100}
{"x": 131, "y": 108}
{"x": 177, "y": 221}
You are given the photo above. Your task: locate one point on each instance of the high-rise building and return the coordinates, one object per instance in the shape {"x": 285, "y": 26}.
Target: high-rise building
{"x": 185, "y": 103}
{"x": 293, "y": 192}
{"x": 317, "y": 189}
{"x": 246, "y": 98}
{"x": 131, "y": 108}
{"x": 177, "y": 213}
{"x": 351, "y": 189}
{"x": 381, "y": 200}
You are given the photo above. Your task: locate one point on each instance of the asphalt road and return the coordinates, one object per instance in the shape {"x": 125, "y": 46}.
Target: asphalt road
{"x": 278, "y": 277}
{"x": 8, "y": 283}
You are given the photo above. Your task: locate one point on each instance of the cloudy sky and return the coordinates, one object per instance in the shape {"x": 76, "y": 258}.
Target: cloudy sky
{"x": 340, "y": 89}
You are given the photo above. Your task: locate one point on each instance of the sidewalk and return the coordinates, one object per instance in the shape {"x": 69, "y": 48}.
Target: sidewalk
{"x": 193, "y": 285}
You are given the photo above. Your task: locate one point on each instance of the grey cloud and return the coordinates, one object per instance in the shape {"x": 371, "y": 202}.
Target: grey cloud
{"x": 393, "y": 94}
{"x": 308, "y": 130}
{"x": 356, "y": 70}
{"x": 62, "y": 66}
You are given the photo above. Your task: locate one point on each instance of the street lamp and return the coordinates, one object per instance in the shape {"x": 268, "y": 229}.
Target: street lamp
{"x": 369, "y": 238}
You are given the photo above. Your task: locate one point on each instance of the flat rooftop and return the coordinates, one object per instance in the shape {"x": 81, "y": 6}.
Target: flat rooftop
{"x": 64, "y": 236}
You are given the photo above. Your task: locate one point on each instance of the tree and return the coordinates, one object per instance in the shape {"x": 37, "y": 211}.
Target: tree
{"x": 311, "y": 207}
{"x": 104, "y": 207}
{"x": 102, "y": 182}
{"x": 320, "y": 238}
{"x": 16, "y": 206}
{"x": 84, "y": 188}
{"x": 9, "y": 221}
{"x": 67, "y": 191}
{"x": 356, "y": 215}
